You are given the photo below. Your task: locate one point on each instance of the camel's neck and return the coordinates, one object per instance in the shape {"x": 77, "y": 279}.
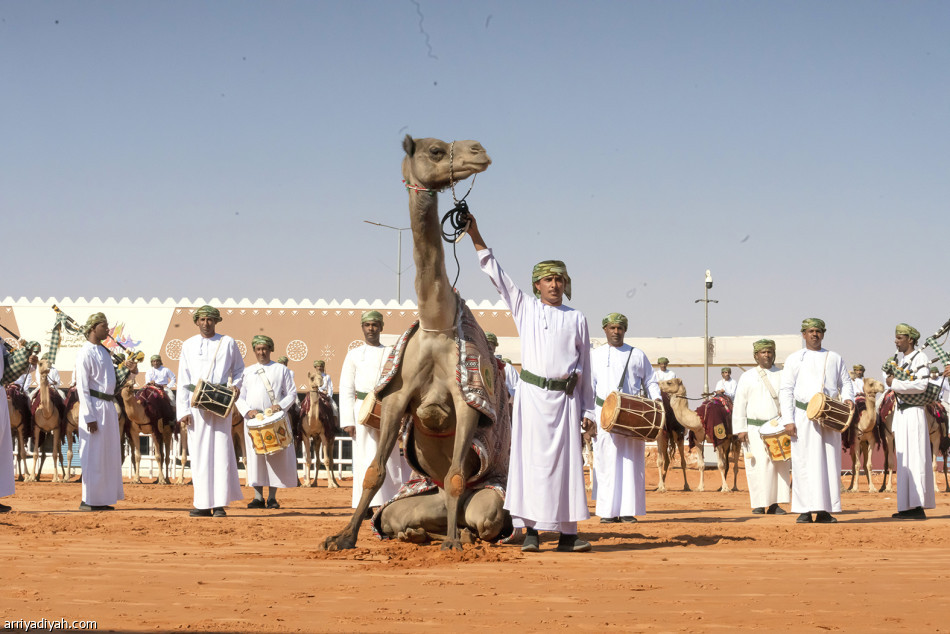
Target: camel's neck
{"x": 44, "y": 391}
{"x": 436, "y": 299}
{"x": 687, "y": 417}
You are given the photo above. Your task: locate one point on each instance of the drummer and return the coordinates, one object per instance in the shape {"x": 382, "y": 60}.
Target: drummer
{"x": 816, "y": 451}
{"x": 756, "y": 405}
{"x": 619, "y": 461}
{"x": 267, "y": 387}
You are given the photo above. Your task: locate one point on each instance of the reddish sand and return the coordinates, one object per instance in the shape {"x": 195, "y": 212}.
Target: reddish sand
{"x": 696, "y": 562}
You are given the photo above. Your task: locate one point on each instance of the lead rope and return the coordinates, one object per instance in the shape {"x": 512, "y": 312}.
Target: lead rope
{"x": 458, "y": 216}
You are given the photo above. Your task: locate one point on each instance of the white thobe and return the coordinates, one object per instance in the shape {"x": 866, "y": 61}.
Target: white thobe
{"x": 6, "y": 443}
{"x": 858, "y": 386}
{"x": 728, "y": 387}
{"x": 511, "y": 379}
{"x": 546, "y": 468}
{"x": 213, "y": 464}
{"x": 327, "y": 387}
{"x": 361, "y": 370}
{"x": 816, "y": 451}
{"x": 160, "y": 376}
{"x": 664, "y": 375}
{"x": 100, "y": 453}
{"x": 769, "y": 481}
{"x": 915, "y": 476}
{"x": 278, "y": 469}
{"x": 620, "y": 461}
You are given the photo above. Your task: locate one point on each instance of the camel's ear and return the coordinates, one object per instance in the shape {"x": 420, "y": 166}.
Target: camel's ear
{"x": 409, "y": 145}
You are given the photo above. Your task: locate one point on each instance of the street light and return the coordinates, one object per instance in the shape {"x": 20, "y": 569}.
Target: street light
{"x": 706, "y": 301}
{"x": 398, "y": 255}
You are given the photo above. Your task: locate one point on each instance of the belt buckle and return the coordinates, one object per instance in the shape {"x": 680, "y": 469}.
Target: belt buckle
{"x": 544, "y": 383}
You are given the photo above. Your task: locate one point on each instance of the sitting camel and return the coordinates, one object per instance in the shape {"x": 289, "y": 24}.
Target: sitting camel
{"x": 21, "y": 425}
{"x": 939, "y": 443}
{"x": 464, "y": 480}
{"x": 148, "y": 412}
{"x": 695, "y": 421}
{"x": 48, "y": 411}
{"x": 863, "y": 435}
{"x": 317, "y": 429}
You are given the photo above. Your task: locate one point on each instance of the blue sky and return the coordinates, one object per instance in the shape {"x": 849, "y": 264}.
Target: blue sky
{"x": 800, "y": 150}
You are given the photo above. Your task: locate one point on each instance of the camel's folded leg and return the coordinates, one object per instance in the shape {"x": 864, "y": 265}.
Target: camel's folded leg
{"x": 466, "y": 420}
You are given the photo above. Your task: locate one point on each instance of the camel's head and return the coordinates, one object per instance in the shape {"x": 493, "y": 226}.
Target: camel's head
{"x": 316, "y": 380}
{"x": 427, "y": 161}
{"x": 872, "y": 388}
{"x": 43, "y": 366}
{"x": 673, "y": 387}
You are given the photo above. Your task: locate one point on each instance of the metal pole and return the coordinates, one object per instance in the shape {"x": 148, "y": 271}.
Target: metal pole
{"x": 399, "y": 268}
{"x": 706, "y": 343}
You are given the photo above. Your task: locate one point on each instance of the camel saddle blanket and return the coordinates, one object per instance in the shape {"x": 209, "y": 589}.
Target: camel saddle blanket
{"x": 20, "y": 402}
{"x": 476, "y": 373}
{"x": 887, "y": 406}
{"x": 716, "y": 414}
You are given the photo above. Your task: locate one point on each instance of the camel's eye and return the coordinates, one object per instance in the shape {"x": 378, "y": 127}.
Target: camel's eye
{"x": 437, "y": 153}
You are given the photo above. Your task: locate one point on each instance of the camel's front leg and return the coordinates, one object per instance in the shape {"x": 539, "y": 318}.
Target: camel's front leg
{"x": 682, "y": 449}
{"x": 701, "y": 452}
{"x": 38, "y": 452}
{"x": 69, "y": 456}
{"x": 722, "y": 461}
{"x": 328, "y": 461}
{"x": 735, "y": 451}
{"x": 390, "y": 419}
{"x": 662, "y": 460}
{"x": 305, "y": 441}
{"x": 855, "y": 468}
{"x": 466, "y": 420}
{"x": 183, "y": 443}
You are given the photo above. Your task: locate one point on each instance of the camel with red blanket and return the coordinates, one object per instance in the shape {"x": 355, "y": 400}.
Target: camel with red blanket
{"x": 48, "y": 411}
{"x": 862, "y": 436}
{"x": 317, "y": 429}
{"x": 939, "y": 442}
{"x": 679, "y": 418}
{"x": 713, "y": 418}
{"x": 149, "y": 412}
{"x": 21, "y": 425}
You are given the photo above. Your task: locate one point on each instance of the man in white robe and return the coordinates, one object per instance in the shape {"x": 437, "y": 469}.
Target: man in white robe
{"x": 327, "y": 388}
{"x": 267, "y": 385}
{"x": 620, "y": 461}
{"x": 214, "y": 358}
{"x": 857, "y": 383}
{"x": 160, "y": 375}
{"x": 727, "y": 385}
{"x": 546, "y": 469}
{"x": 361, "y": 370}
{"x": 99, "y": 434}
{"x": 661, "y": 373}
{"x": 816, "y": 451}
{"x": 915, "y": 476}
{"x": 757, "y": 404}
{"x": 7, "y": 466}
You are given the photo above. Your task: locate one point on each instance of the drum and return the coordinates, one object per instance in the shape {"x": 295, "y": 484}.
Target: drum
{"x": 269, "y": 434}
{"x": 213, "y": 397}
{"x": 777, "y": 441}
{"x": 632, "y": 416}
{"x": 370, "y": 411}
{"x": 829, "y": 413}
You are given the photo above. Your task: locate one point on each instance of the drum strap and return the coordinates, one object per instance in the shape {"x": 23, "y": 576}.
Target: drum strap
{"x": 623, "y": 375}
{"x": 267, "y": 386}
{"x": 765, "y": 379}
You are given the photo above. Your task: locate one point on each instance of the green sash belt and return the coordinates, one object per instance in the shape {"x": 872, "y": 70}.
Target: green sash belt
{"x": 755, "y": 422}
{"x": 801, "y": 405}
{"x": 903, "y": 406}
{"x": 599, "y": 401}
{"x": 361, "y": 395}
{"x": 555, "y": 385}
{"x": 101, "y": 396}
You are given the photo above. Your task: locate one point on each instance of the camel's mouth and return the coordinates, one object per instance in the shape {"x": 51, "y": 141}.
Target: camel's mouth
{"x": 470, "y": 167}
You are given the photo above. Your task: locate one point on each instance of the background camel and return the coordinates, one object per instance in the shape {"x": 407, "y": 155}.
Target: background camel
{"x": 670, "y": 439}
{"x": 237, "y": 436}
{"x": 425, "y": 383}
{"x": 71, "y": 428}
{"x": 694, "y": 422}
{"x": 317, "y": 430}
{"x": 48, "y": 411}
{"x": 864, "y": 438}
{"x": 939, "y": 443}
{"x": 21, "y": 425}
{"x": 148, "y": 412}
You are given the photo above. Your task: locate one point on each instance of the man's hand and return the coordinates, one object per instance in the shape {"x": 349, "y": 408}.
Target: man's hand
{"x": 252, "y": 414}
{"x": 890, "y": 379}
{"x": 351, "y": 431}
{"x": 743, "y": 437}
{"x": 93, "y": 426}
{"x": 849, "y": 403}
{"x": 477, "y": 241}
{"x": 791, "y": 430}
{"x": 186, "y": 420}
{"x": 589, "y": 429}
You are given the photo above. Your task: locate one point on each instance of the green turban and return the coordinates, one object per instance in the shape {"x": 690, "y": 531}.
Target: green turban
{"x": 92, "y": 322}
{"x": 156, "y": 357}
{"x": 724, "y": 370}
{"x": 813, "y": 322}
{"x": 262, "y": 339}
{"x": 550, "y": 267}
{"x": 904, "y": 329}
{"x": 492, "y": 339}
{"x": 857, "y": 366}
{"x": 506, "y": 360}
{"x": 614, "y": 318}
{"x": 763, "y": 344}
{"x": 319, "y": 363}
{"x": 283, "y": 360}
{"x": 207, "y": 311}
{"x": 662, "y": 360}
{"x": 935, "y": 369}
{"x": 372, "y": 315}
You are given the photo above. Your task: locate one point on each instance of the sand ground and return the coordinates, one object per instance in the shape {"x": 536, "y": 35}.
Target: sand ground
{"x": 696, "y": 562}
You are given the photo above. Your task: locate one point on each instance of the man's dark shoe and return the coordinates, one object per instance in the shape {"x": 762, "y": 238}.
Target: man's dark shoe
{"x": 804, "y": 518}
{"x": 628, "y": 519}
{"x": 759, "y": 510}
{"x": 273, "y": 504}
{"x": 200, "y": 512}
{"x": 916, "y": 513}
{"x": 531, "y": 544}
{"x": 610, "y": 520}
{"x": 775, "y": 509}
{"x": 824, "y": 517}
{"x": 84, "y": 507}
{"x": 104, "y": 507}
{"x": 572, "y": 544}
{"x": 4, "y": 508}
{"x": 255, "y": 504}
{"x": 219, "y": 512}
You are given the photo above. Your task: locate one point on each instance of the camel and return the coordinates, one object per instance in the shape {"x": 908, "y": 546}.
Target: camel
{"x": 182, "y": 437}
{"x": 669, "y": 440}
{"x": 21, "y": 425}
{"x": 425, "y": 383}
{"x": 71, "y": 428}
{"x": 149, "y": 412}
{"x": 692, "y": 420}
{"x": 47, "y": 419}
{"x": 317, "y": 429}
{"x": 864, "y": 437}
{"x": 938, "y": 441}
